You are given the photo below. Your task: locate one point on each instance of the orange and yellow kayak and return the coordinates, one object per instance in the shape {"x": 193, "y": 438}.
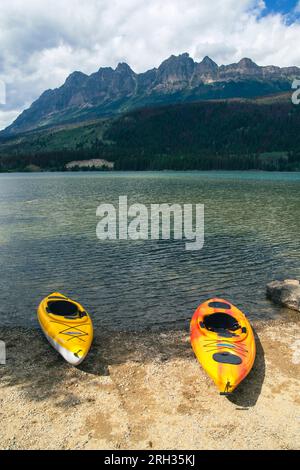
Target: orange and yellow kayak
{"x": 67, "y": 326}
{"x": 223, "y": 342}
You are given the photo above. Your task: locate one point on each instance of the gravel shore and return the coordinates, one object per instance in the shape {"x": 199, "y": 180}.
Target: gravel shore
{"x": 147, "y": 391}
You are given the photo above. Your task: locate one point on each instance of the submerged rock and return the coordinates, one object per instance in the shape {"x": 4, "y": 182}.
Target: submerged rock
{"x": 285, "y": 293}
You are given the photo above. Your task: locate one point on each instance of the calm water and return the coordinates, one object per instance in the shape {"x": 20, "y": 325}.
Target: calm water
{"x": 48, "y": 243}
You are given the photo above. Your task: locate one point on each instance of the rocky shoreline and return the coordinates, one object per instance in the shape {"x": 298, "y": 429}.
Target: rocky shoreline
{"x": 147, "y": 391}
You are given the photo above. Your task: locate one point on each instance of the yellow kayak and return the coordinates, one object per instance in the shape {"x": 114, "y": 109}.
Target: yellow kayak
{"x": 223, "y": 342}
{"x": 67, "y": 326}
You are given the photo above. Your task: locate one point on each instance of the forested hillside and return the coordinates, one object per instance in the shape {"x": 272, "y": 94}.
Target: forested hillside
{"x": 205, "y": 135}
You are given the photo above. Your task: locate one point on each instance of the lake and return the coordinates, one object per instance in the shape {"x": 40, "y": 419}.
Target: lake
{"x": 48, "y": 243}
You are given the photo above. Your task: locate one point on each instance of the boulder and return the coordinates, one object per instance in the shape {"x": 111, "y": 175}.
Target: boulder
{"x": 285, "y": 293}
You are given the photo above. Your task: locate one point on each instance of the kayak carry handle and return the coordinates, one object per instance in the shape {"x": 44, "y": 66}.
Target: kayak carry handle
{"x": 226, "y": 391}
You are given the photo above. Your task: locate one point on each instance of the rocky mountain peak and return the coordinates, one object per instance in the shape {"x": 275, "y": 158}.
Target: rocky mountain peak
{"x": 105, "y": 69}
{"x": 247, "y": 63}
{"x": 208, "y": 62}
{"x": 124, "y": 68}
{"x": 175, "y": 70}
{"x": 242, "y": 69}
{"x": 205, "y": 71}
{"x": 184, "y": 56}
{"x": 76, "y": 78}
{"x": 178, "y": 78}
{"x": 176, "y": 60}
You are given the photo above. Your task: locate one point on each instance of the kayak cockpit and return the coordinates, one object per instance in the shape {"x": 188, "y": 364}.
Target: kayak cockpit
{"x": 64, "y": 308}
{"x": 221, "y": 323}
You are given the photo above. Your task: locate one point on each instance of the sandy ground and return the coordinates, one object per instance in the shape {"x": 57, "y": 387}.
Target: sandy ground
{"x": 147, "y": 392}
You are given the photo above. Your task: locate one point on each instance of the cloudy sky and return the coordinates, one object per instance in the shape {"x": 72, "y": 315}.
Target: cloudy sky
{"x": 43, "y": 41}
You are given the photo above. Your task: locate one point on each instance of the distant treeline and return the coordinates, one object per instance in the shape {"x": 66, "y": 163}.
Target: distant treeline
{"x": 198, "y": 136}
{"x": 56, "y": 161}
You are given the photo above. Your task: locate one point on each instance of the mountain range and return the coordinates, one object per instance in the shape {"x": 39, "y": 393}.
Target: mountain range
{"x": 179, "y": 79}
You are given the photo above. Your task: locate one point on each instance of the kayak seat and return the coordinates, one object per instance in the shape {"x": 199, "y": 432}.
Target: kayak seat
{"x": 224, "y": 333}
{"x": 222, "y": 324}
{"x": 63, "y": 308}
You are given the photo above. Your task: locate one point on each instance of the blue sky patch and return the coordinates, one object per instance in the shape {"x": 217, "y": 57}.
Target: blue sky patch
{"x": 280, "y": 6}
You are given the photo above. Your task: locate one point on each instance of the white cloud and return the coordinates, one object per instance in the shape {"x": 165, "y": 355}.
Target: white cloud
{"x": 42, "y": 41}
{"x": 6, "y": 117}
